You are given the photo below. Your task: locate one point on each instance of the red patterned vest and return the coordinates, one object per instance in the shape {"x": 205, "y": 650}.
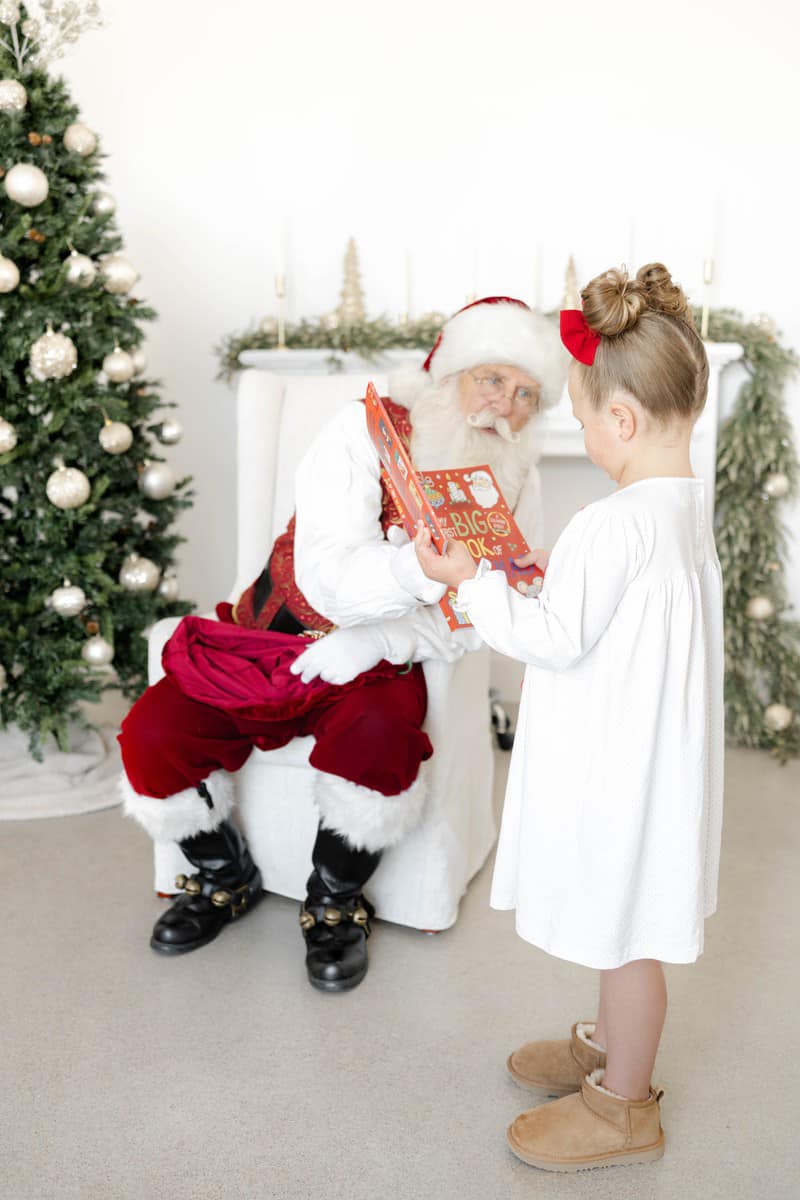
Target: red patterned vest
{"x": 274, "y": 601}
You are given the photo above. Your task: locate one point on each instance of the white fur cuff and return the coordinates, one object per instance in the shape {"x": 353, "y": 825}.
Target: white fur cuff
{"x": 584, "y": 1030}
{"x": 368, "y": 819}
{"x": 182, "y": 815}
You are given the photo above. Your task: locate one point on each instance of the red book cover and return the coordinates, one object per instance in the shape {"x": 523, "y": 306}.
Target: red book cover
{"x": 463, "y": 503}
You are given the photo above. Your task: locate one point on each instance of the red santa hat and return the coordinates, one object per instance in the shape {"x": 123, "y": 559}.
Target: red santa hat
{"x": 499, "y": 329}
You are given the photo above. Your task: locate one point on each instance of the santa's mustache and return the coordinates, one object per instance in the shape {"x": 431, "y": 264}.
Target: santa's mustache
{"x": 490, "y": 420}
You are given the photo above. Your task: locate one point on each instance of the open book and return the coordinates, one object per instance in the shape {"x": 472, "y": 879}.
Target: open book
{"x": 463, "y": 503}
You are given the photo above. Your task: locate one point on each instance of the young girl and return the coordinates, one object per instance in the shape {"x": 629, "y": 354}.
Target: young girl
{"x": 610, "y": 841}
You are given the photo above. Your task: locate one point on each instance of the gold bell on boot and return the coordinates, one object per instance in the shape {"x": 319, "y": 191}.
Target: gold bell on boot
{"x": 592, "y": 1128}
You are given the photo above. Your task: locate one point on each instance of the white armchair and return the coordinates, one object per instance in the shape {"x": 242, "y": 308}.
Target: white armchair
{"x": 420, "y": 881}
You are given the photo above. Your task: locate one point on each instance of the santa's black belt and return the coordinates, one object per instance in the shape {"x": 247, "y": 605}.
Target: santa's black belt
{"x": 284, "y": 621}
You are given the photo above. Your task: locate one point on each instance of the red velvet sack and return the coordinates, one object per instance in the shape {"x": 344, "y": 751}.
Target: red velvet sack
{"x": 246, "y": 671}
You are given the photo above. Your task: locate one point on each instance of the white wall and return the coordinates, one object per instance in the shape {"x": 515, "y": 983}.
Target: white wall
{"x": 470, "y": 134}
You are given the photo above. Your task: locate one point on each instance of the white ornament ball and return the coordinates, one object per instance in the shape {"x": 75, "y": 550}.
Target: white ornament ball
{"x": 156, "y": 481}
{"x": 8, "y": 436}
{"x": 80, "y": 139}
{"x": 13, "y": 96}
{"x": 139, "y": 361}
{"x": 67, "y": 600}
{"x": 26, "y": 185}
{"x": 53, "y": 356}
{"x": 168, "y": 588}
{"x": 777, "y": 485}
{"x": 269, "y": 326}
{"x": 119, "y": 275}
{"x": 9, "y": 12}
{"x": 97, "y": 651}
{"x": 104, "y": 204}
{"x": 68, "y": 487}
{"x": 760, "y": 608}
{"x": 139, "y": 574}
{"x": 81, "y": 271}
{"x": 778, "y": 717}
{"x": 171, "y": 431}
{"x": 118, "y": 366}
{"x": 9, "y": 274}
{"x": 116, "y": 437}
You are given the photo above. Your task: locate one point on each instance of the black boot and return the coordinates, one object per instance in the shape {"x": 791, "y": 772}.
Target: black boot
{"x": 226, "y": 886}
{"x": 335, "y": 916}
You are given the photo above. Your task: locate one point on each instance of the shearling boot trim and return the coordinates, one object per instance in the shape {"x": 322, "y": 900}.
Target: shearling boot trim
{"x": 584, "y": 1030}
{"x": 594, "y": 1077}
{"x": 183, "y": 814}
{"x": 366, "y": 818}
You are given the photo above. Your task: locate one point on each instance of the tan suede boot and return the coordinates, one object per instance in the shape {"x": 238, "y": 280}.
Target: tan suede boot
{"x": 557, "y": 1068}
{"x": 594, "y": 1128}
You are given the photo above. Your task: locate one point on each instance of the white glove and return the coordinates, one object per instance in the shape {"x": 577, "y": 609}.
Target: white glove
{"x": 345, "y": 653}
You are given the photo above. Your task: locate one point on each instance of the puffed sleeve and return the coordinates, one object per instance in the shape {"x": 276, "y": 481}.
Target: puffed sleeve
{"x": 593, "y": 562}
{"x": 344, "y": 565}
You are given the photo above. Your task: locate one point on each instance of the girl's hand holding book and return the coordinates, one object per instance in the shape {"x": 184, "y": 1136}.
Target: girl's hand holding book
{"x": 536, "y": 558}
{"x": 452, "y": 567}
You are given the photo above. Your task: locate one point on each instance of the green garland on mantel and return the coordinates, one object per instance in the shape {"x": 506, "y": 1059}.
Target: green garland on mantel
{"x": 757, "y": 470}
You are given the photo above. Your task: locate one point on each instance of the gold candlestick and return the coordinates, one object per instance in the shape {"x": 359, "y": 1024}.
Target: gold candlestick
{"x": 708, "y": 279}
{"x": 280, "y": 292}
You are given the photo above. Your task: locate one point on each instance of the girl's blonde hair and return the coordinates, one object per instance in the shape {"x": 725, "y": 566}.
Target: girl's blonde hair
{"x": 648, "y": 347}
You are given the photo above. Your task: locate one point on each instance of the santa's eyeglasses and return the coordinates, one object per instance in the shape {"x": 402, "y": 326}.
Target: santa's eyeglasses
{"x": 493, "y": 387}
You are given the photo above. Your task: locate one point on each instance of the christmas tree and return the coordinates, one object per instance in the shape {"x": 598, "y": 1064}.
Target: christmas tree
{"x": 87, "y": 500}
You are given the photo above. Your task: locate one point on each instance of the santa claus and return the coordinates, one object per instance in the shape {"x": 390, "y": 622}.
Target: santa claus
{"x": 328, "y": 642}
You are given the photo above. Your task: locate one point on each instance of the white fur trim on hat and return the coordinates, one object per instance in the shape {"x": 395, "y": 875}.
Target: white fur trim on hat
{"x": 503, "y": 333}
{"x": 182, "y": 815}
{"x": 366, "y": 818}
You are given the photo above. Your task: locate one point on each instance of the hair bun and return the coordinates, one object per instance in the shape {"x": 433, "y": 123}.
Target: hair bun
{"x": 613, "y": 302}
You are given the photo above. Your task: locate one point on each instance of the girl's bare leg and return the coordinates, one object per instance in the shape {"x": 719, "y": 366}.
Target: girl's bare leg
{"x": 630, "y": 1018}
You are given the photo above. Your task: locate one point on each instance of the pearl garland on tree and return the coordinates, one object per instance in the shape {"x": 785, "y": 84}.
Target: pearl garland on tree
{"x": 171, "y": 431}
{"x": 9, "y": 274}
{"x": 760, "y": 608}
{"x": 777, "y": 485}
{"x": 139, "y": 574}
{"x": 115, "y": 437}
{"x": 118, "y": 366}
{"x": 8, "y": 436}
{"x": 67, "y": 600}
{"x": 81, "y": 271}
{"x": 97, "y": 651}
{"x": 156, "y": 481}
{"x": 119, "y": 274}
{"x": 26, "y": 184}
{"x": 80, "y": 139}
{"x": 53, "y": 356}
{"x": 13, "y": 96}
{"x": 68, "y": 487}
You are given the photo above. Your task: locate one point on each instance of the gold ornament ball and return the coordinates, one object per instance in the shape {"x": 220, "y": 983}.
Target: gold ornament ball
{"x": 139, "y": 361}
{"x": 26, "y": 185}
{"x": 80, "y": 139}
{"x": 156, "y": 481}
{"x": 97, "y": 651}
{"x": 13, "y": 96}
{"x": 115, "y": 437}
{"x": 9, "y": 274}
{"x": 778, "y": 717}
{"x": 168, "y": 588}
{"x": 119, "y": 275}
{"x": 139, "y": 574}
{"x": 777, "y": 485}
{"x": 104, "y": 204}
{"x": 171, "y": 431}
{"x": 8, "y": 436}
{"x": 760, "y": 608}
{"x": 81, "y": 271}
{"x": 67, "y": 600}
{"x": 68, "y": 487}
{"x": 53, "y": 356}
{"x": 118, "y": 365}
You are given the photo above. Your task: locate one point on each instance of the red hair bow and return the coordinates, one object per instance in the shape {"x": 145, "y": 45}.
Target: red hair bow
{"x": 580, "y": 340}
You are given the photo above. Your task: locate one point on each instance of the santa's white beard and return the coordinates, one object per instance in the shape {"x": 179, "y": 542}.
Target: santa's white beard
{"x": 442, "y": 437}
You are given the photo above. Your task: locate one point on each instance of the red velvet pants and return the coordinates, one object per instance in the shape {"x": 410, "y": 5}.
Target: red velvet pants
{"x": 371, "y": 735}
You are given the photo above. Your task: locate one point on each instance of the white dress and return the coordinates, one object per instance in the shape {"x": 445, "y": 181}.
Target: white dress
{"x": 609, "y": 848}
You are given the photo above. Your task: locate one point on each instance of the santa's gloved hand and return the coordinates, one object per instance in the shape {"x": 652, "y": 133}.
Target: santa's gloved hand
{"x": 345, "y": 653}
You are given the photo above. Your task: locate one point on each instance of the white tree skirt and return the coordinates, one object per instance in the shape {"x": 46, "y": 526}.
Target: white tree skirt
{"x": 61, "y": 785}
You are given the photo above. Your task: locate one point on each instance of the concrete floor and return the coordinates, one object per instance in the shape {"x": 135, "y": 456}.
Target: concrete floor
{"x": 223, "y": 1076}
